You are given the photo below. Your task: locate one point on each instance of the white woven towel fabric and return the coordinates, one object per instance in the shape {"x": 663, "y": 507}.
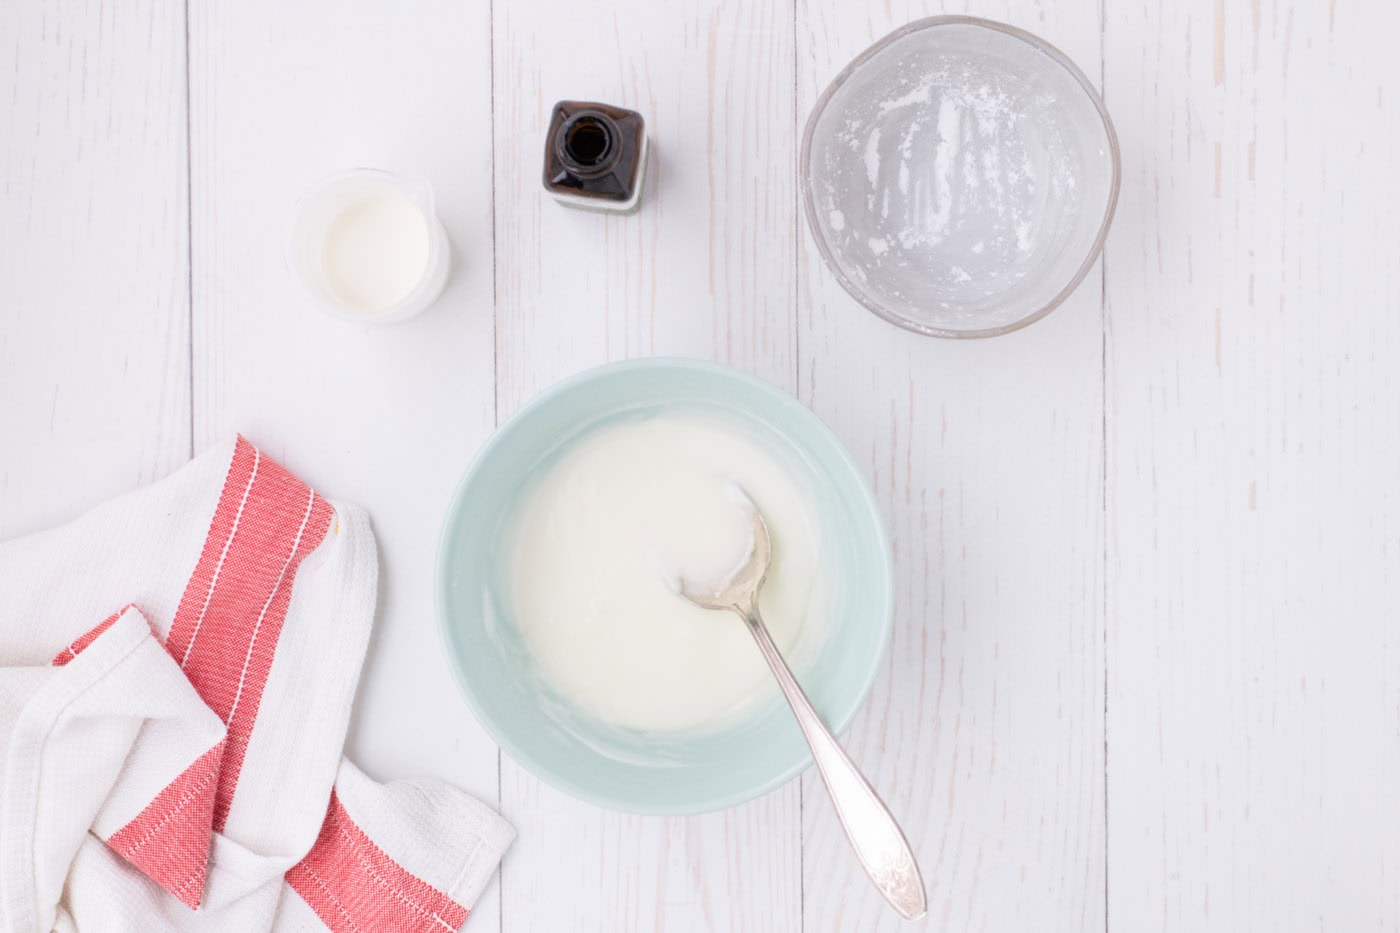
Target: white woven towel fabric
{"x": 176, "y": 674}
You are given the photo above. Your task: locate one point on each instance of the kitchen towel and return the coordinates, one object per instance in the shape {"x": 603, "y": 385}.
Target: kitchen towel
{"x": 176, "y": 673}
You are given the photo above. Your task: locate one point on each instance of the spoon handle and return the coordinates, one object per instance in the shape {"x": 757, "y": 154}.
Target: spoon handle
{"x": 879, "y": 843}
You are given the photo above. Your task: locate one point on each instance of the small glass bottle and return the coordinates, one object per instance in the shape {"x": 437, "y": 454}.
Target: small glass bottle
{"x": 595, "y": 156}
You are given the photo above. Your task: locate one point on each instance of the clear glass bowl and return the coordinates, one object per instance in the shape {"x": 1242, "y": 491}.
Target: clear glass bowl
{"x": 959, "y": 177}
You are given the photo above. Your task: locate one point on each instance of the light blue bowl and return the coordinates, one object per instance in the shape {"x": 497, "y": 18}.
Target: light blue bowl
{"x": 658, "y": 773}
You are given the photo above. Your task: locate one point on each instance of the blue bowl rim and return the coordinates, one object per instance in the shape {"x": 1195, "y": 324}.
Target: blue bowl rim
{"x": 562, "y": 781}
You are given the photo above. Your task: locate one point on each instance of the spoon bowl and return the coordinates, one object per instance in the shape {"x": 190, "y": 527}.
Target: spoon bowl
{"x": 740, "y": 590}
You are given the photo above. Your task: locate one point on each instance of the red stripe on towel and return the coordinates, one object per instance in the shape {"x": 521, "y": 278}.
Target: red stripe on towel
{"x": 87, "y": 638}
{"x": 226, "y": 628}
{"x": 169, "y": 840}
{"x": 353, "y": 886}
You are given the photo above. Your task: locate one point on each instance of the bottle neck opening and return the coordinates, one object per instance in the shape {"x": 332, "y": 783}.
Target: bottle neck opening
{"x": 588, "y": 143}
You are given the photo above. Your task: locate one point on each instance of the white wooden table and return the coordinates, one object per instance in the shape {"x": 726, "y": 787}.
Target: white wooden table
{"x": 1146, "y": 664}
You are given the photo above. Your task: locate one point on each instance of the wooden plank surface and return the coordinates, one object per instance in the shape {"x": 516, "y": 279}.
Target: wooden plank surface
{"x": 1146, "y": 549}
{"x": 705, "y": 269}
{"x": 985, "y": 730}
{"x": 383, "y": 417}
{"x": 94, "y": 225}
{"x": 1253, "y": 459}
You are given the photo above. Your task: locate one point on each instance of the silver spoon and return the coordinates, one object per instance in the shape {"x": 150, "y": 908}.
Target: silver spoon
{"x": 879, "y": 843}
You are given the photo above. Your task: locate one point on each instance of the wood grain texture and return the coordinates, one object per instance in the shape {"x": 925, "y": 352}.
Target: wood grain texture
{"x": 384, "y": 417}
{"x": 985, "y": 729}
{"x": 705, "y": 269}
{"x": 1183, "y": 484}
{"x": 94, "y": 293}
{"x": 1253, "y": 455}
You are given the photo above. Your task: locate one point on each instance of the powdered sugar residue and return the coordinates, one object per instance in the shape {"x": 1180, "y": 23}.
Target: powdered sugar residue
{"x": 951, "y": 174}
{"x": 872, "y": 156}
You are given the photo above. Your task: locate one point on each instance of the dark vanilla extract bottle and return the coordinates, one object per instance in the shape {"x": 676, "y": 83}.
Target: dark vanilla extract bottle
{"x": 595, "y": 156}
